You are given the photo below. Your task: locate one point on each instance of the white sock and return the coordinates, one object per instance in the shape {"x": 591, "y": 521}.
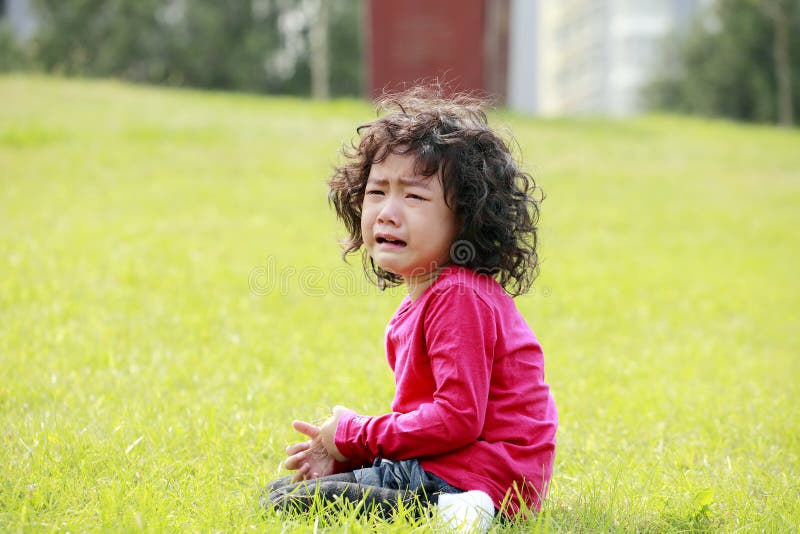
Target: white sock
{"x": 471, "y": 511}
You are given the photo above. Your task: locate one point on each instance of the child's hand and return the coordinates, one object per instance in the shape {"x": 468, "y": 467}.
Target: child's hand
{"x": 315, "y": 458}
{"x": 309, "y": 458}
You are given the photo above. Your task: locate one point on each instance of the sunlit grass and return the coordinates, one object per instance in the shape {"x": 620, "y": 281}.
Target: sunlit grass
{"x": 171, "y": 296}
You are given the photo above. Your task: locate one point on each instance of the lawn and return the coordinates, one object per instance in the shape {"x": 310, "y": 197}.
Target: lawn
{"x": 172, "y": 295}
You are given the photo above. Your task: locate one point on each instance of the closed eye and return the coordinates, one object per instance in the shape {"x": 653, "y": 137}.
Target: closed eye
{"x": 374, "y": 192}
{"x": 415, "y": 197}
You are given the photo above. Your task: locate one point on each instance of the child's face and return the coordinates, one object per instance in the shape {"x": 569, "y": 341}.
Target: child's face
{"x": 406, "y": 225}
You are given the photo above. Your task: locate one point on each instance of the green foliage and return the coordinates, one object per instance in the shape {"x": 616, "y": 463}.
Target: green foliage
{"x": 147, "y": 382}
{"x": 725, "y": 66}
{"x": 346, "y": 43}
{"x": 237, "y": 44}
{"x": 13, "y": 55}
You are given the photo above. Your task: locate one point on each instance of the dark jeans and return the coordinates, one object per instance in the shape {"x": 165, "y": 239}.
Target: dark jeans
{"x": 382, "y": 488}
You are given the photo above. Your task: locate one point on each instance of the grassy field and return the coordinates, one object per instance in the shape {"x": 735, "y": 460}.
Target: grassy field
{"x": 171, "y": 296}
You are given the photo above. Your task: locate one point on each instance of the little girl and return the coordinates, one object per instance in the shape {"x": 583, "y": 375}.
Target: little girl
{"x": 435, "y": 200}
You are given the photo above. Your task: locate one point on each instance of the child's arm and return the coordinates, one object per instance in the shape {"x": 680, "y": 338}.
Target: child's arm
{"x": 460, "y": 333}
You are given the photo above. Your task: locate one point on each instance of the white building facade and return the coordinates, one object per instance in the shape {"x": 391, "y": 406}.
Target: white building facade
{"x": 20, "y": 17}
{"x": 588, "y": 56}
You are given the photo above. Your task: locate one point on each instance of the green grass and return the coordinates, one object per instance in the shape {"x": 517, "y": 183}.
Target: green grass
{"x": 171, "y": 296}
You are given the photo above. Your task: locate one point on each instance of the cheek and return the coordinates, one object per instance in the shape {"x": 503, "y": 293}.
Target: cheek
{"x": 366, "y": 224}
{"x": 449, "y": 221}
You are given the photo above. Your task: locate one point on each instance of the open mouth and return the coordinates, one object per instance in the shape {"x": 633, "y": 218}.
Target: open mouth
{"x": 397, "y": 242}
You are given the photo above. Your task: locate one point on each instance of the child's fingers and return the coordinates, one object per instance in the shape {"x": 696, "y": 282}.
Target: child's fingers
{"x": 296, "y": 460}
{"x": 306, "y": 428}
{"x": 295, "y": 448}
{"x": 302, "y": 473}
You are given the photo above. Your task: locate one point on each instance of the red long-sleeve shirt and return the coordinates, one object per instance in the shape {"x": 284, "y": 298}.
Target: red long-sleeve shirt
{"x": 471, "y": 402}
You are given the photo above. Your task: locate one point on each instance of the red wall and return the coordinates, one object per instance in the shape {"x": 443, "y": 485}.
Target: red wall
{"x": 408, "y": 40}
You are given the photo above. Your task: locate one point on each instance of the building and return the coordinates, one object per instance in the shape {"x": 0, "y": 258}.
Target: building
{"x": 19, "y": 15}
{"x": 463, "y": 42}
{"x": 588, "y": 56}
{"x": 548, "y": 57}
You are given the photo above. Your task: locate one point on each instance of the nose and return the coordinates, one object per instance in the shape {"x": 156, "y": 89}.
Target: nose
{"x": 389, "y": 212}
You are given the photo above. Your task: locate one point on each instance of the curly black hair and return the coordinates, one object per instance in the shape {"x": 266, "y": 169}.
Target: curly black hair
{"x": 496, "y": 202}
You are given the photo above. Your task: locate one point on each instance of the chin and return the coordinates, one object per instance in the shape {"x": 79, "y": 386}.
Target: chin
{"x": 389, "y": 269}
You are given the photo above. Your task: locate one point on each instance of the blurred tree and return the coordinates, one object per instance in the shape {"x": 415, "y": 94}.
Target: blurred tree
{"x": 346, "y": 42}
{"x": 735, "y": 62}
{"x": 781, "y": 13}
{"x": 318, "y": 36}
{"x": 250, "y": 45}
{"x": 95, "y": 37}
{"x": 12, "y": 53}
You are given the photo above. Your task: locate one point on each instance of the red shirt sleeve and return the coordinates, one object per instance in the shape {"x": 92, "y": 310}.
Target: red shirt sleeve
{"x": 460, "y": 335}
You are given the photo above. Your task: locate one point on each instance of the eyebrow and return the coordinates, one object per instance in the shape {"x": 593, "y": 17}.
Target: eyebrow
{"x": 403, "y": 181}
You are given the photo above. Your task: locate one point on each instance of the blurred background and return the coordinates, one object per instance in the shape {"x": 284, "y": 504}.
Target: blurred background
{"x": 729, "y": 58}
